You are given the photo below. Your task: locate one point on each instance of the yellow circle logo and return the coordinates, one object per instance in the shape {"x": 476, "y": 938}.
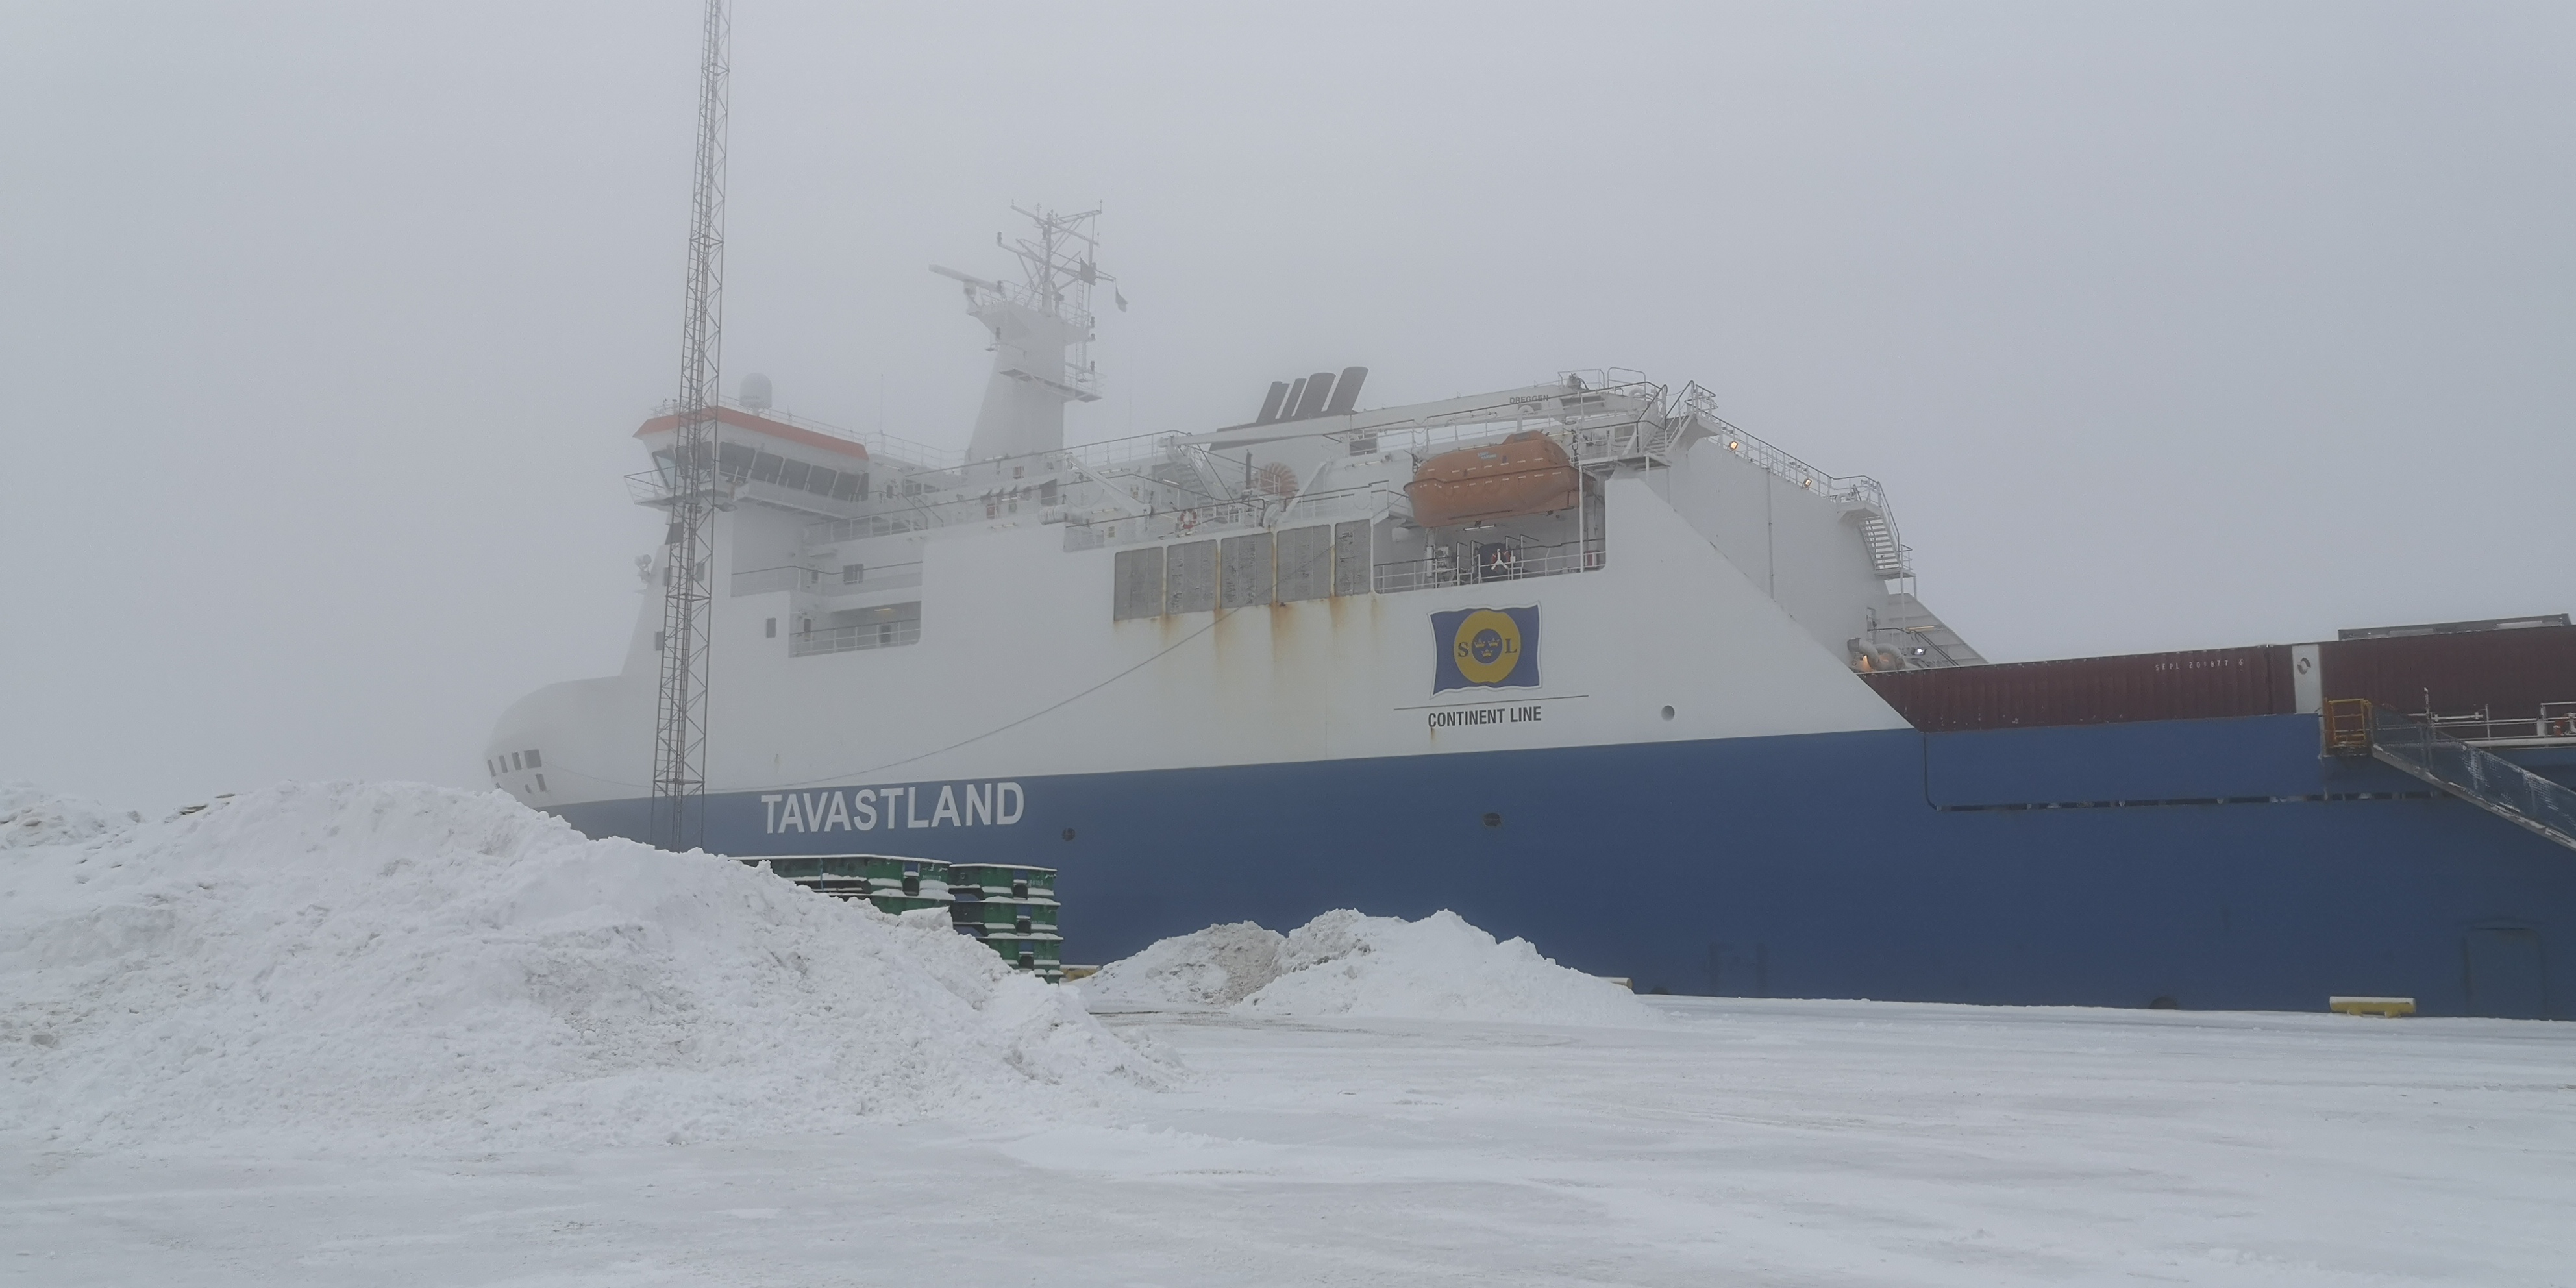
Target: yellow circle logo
{"x": 1487, "y": 646}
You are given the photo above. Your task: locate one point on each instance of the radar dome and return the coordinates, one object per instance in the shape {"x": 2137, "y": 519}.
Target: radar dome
{"x": 755, "y": 392}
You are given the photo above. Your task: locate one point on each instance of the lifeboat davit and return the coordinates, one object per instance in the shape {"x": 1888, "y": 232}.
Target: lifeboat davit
{"x": 1527, "y": 473}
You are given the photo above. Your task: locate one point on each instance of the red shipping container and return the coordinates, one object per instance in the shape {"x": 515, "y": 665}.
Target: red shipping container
{"x": 2506, "y": 673}
{"x": 2203, "y": 684}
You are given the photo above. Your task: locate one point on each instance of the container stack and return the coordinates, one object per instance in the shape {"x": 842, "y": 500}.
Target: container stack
{"x": 1013, "y": 910}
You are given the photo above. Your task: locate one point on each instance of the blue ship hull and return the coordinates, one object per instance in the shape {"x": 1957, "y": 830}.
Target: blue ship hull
{"x": 2218, "y": 863}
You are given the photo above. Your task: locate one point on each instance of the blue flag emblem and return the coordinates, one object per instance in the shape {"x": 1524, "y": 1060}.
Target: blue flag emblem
{"x": 1488, "y": 648}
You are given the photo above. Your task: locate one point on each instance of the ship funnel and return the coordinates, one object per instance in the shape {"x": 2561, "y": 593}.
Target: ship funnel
{"x": 755, "y": 392}
{"x": 1346, "y": 391}
{"x": 1319, "y": 387}
{"x": 1270, "y": 405}
{"x": 1321, "y": 394}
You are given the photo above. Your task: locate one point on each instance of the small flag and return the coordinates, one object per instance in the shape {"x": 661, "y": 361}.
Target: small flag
{"x": 1115, "y": 294}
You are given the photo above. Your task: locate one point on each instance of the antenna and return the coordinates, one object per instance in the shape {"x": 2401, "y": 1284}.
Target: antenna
{"x": 680, "y": 709}
{"x": 1041, "y": 333}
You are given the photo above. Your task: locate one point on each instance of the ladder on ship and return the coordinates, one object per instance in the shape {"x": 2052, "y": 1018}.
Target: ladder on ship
{"x": 1886, "y": 553}
{"x": 2357, "y": 727}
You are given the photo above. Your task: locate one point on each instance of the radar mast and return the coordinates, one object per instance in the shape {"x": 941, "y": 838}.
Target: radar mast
{"x": 1042, "y": 332}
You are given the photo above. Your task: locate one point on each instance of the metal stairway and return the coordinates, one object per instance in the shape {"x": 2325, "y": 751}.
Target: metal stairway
{"x": 1886, "y": 555}
{"x": 2356, "y": 727}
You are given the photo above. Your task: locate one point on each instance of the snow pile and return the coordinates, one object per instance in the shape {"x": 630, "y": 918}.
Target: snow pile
{"x": 31, "y": 816}
{"x": 394, "y": 964}
{"x": 1204, "y": 969}
{"x": 1346, "y": 964}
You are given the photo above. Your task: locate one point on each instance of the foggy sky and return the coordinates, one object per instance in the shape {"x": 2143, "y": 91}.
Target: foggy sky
{"x": 326, "y": 326}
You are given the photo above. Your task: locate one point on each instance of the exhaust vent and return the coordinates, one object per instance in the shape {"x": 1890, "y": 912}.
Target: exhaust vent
{"x": 1319, "y": 387}
{"x": 1346, "y": 393}
{"x": 1321, "y": 394}
{"x": 1270, "y": 405}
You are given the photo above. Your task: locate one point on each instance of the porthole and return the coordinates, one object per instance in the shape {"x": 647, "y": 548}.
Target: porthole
{"x": 1493, "y": 820}
{"x": 1668, "y": 713}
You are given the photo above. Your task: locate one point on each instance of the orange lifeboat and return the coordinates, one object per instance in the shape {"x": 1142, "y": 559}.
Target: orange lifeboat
{"x": 1526, "y": 473}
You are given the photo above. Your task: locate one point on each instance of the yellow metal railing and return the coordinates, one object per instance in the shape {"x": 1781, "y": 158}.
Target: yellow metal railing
{"x": 2347, "y": 726}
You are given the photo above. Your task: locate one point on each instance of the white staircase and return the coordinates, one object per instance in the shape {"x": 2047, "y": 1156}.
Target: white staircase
{"x": 1886, "y": 553}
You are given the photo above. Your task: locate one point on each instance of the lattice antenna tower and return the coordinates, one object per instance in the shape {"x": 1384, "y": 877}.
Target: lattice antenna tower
{"x": 1061, "y": 263}
{"x": 680, "y": 709}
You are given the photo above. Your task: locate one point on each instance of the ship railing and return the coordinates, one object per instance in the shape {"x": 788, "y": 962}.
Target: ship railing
{"x": 765, "y": 581}
{"x": 1448, "y": 567}
{"x": 1917, "y": 647}
{"x": 2555, "y": 722}
{"x": 1602, "y": 378}
{"x": 1115, "y": 455}
{"x": 2472, "y": 773}
{"x": 1642, "y": 438}
{"x": 1547, "y": 408}
{"x": 657, "y": 487}
{"x": 900, "y": 451}
{"x": 831, "y": 531}
{"x": 1088, "y": 530}
{"x": 826, "y": 581}
{"x": 1627, "y": 427}
{"x": 921, "y": 514}
{"x": 869, "y": 580}
{"x": 1860, "y": 488}
{"x": 851, "y": 639}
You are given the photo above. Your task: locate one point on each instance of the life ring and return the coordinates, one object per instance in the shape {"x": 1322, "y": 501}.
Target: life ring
{"x": 1189, "y": 520}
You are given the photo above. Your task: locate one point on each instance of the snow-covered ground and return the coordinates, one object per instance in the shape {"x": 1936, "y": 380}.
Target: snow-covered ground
{"x": 1748, "y": 1142}
{"x": 375, "y": 1034}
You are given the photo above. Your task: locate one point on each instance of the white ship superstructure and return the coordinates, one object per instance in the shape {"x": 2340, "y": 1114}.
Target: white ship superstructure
{"x": 1252, "y": 593}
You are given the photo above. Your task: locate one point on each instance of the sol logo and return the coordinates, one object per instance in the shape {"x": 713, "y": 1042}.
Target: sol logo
{"x": 1490, "y": 648}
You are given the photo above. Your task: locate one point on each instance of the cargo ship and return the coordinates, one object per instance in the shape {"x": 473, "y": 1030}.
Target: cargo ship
{"x": 1581, "y": 660}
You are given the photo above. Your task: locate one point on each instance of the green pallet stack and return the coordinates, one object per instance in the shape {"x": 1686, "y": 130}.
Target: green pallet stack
{"x": 905, "y": 885}
{"x": 892, "y": 884}
{"x": 1012, "y": 908}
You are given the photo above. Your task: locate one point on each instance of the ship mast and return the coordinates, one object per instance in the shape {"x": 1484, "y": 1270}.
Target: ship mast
{"x": 680, "y": 710}
{"x": 1041, "y": 334}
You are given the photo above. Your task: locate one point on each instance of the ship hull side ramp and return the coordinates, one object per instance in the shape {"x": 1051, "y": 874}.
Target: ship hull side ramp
{"x": 2358, "y": 727}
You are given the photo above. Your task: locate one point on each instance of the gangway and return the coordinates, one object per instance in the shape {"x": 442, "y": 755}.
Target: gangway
{"x": 2356, "y": 727}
